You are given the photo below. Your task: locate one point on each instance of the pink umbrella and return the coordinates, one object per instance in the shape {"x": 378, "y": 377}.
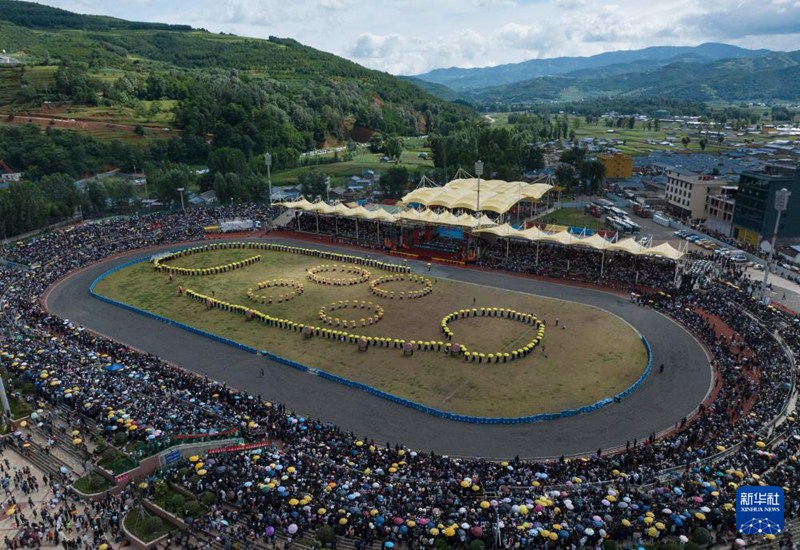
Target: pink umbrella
{"x": 398, "y": 521}
{"x": 697, "y": 499}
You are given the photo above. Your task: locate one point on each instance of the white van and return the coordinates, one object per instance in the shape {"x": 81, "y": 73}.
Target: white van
{"x": 738, "y": 256}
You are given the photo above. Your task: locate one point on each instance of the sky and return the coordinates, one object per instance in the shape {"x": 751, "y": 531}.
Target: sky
{"x": 416, "y": 36}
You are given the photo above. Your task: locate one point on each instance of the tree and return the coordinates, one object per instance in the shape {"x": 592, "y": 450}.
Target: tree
{"x": 164, "y": 179}
{"x": 593, "y": 173}
{"x": 703, "y": 142}
{"x": 313, "y": 184}
{"x": 393, "y": 183}
{"x": 393, "y": 147}
{"x": 226, "y": 160}
{"x": 686, "y": 140}
{"x": 565, "y": 175}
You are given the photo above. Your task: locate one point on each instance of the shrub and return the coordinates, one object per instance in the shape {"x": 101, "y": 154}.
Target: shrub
{"x": 477, "y": 544}
{"x": 326, "y": 535}
{"x": 152, "y": 525}
{"x": 97, "y": 482}
{"x": 701, "y": 536}
{"x": 611, "y": 545}
{"x": 159, "y": 490}
{"x": 109, "y": 455}
{"x": 193, "y": 509}
{"x": 120, "y": 439}
{"x": 175, "y": 503}
{"x": 692, "y": 546}
{"x": 208, "y": 498}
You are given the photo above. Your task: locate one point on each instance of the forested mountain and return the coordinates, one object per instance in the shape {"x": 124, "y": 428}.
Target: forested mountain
{"x": 759, "y": 78}
{"x": 245, "y": 93}
{"x": 463, "y": 80}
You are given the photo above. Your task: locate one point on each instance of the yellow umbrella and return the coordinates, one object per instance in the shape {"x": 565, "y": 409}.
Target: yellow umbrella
{"x": 77, "y": 441}
{"x": 626, "y": 523}
{"x": 194, "y": 458}
{"x": 700, "y": 515}
{"x": 293, "y": 502}
{"x": 202, "y": 472}
{"x": 24, "y": 423}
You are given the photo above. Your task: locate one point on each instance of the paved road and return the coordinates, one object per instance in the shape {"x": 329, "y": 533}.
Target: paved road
{"x": 661, "y": 401}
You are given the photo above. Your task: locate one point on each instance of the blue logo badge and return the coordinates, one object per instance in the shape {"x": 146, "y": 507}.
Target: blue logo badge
{"x": 759, "y": 510}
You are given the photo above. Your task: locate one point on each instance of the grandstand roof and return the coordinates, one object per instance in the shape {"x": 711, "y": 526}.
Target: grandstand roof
{"x": 595, "y": 241}
{"x": 496, "y": 195}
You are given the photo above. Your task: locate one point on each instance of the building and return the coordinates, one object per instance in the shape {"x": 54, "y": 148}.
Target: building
{"x": 618, "y": 165}
{"x": 687, "y": 194}
{"x": 719, "y": 210}
{"x": 754, "y": 215}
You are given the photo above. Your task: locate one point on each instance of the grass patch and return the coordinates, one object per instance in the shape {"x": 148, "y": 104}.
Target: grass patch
{"x": 91, "y": 484}
{"x": 568, "y": 376}
{"x": 363, "y": 160}
{"x": 145, "y": 526}
{"x": 573, "y": 217}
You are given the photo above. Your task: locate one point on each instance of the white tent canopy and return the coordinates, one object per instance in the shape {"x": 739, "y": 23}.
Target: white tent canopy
{"x": 497, "y": 196}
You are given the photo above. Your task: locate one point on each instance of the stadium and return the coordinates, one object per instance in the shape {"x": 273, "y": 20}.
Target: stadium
{"x": 281, "y": 446}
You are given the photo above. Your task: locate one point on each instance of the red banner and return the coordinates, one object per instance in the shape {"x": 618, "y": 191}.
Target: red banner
{"x": 197, "y": 436}
{"x": 238, "y": 448}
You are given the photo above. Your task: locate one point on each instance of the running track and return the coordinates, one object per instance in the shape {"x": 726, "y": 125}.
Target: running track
{"x": 661, "y": 401}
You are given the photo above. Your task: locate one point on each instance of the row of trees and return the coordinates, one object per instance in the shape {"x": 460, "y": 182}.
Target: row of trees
{"x": 577, "y": 172}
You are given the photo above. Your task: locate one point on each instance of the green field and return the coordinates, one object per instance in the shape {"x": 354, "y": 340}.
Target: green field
{"x": 572, "y": 217}
{"x": 557, "y": 376}
{"x": 362, "y": 160}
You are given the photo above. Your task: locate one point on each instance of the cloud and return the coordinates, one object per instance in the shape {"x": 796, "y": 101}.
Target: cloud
{"x": 773, "y": 17}
{"x": 414, "y": 36}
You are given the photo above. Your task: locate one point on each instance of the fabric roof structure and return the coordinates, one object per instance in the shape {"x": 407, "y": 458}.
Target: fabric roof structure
{"x": 504, "y": 231}
{"x": 664, "y": 250}
{"x": 497, "y": 196}
{"x": 628, "y": 245}
{"x": 301, "y": 204}
{"x": 595, "y": 241}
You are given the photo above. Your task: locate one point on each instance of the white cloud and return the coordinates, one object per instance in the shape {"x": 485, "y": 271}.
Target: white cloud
{"x": 413, "y": 36}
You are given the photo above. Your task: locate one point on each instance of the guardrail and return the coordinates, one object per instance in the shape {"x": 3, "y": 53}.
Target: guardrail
{"x": 363, "y": 387}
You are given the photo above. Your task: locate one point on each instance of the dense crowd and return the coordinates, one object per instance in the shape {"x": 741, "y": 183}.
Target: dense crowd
{"x": 617, "y": 269}
{"x": 378, "y": 493}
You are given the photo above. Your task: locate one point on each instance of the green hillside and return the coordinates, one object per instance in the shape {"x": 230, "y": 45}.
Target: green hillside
{"x": 770, "y": 77}
{"x": 245, "y": 93}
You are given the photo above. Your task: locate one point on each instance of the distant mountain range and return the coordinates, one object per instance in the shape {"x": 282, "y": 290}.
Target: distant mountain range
{"x": 461, "y": 80}
{"x": 707, "y": 72}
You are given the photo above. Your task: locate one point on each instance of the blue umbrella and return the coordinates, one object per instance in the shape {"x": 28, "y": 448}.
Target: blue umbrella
{"x": 114, "y": 367}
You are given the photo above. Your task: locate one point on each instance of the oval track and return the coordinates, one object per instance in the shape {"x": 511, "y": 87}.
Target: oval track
{"x": 659, "y": 403}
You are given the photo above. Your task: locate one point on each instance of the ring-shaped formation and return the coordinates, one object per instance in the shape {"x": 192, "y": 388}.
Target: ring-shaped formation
{"x": 374, "y": 310}
{"x": 356, "y": 275}
{"x": 500, "y": 356}
{"x": 427, "y": 286}
{"x": 296, "y": 289}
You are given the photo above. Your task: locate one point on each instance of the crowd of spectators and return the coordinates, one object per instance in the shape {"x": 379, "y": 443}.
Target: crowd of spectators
{"x": 378, "y": 493}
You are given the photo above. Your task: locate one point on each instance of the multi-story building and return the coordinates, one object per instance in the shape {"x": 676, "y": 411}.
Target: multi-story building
{"x": 719, "y": 210}
{"x": 618, "y": 165}
{"x": 754, "y": 214}
{"x": 687, "y": 194}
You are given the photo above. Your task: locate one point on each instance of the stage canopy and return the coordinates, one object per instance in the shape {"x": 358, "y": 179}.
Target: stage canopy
{"x": 486, "y": 226}
{"x": 595, "y": 241}
{"x": 497, "y": 196}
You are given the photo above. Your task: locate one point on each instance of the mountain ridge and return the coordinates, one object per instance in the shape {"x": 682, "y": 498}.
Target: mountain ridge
{"x": 463, "y": 80}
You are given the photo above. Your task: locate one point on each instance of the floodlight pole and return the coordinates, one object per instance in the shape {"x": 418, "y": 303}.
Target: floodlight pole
{"x": 268, "y": 163}
{"x": 479, "y": 173}
{"x": 781, "y": 204}
{"x": 183, "y": 206}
